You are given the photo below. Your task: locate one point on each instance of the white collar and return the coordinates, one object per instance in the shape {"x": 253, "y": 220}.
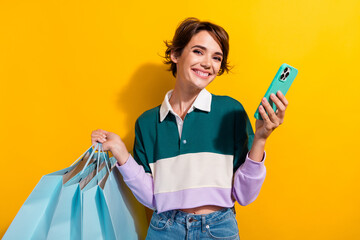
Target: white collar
{"x": 202, "y": 102}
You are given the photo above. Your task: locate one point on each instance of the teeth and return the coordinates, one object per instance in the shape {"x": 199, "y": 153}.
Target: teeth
{"x": 202, "y": 74}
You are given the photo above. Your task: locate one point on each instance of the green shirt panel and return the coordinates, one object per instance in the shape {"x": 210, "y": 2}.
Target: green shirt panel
{"x": 226, "y": 129}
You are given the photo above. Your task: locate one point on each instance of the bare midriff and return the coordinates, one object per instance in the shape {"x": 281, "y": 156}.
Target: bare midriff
{"x": 202, "y": 210}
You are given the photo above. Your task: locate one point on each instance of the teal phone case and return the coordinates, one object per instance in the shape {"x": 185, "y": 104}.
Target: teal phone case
{"x": 282, "y": 81}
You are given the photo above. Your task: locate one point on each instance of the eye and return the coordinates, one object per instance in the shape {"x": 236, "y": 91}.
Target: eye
{"x": 197, "y": 52}
{"x": 217, "y": 59}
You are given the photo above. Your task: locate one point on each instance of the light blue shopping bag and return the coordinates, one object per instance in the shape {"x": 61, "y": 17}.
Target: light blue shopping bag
{"x": 33, "y": 219}
{"x": 66, "y": 221}
{"x": 126, "y": 213}
{"x": 96, "y": 222}
{"x": 110, "y": 211}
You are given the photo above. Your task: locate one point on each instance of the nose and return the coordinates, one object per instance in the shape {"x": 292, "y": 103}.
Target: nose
{"x": 205, "y": 63}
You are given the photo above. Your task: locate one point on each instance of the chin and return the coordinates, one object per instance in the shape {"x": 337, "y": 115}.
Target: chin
{"x": 203, "y": 83}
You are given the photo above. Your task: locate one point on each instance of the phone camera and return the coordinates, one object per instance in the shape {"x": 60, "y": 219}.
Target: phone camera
{"x": 285, "y": 74}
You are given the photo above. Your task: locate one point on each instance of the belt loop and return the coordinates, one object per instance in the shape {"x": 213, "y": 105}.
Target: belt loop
{"x": 233, "y": 209}
{"x": 173, "y": 216}
{"x": 203, "y": 223}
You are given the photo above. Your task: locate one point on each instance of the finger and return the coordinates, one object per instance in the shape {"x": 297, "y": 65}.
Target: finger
{"x": 99, "y": 132}
{"x": 270, "y": 111}
{"x": 264, "y": 116}
{"x": 98, "y": 137}
{"x": 280, "y": 112}
{"x": 100, "y": 140}
{"x": 103, "y": 132}
{"x": 279, "y": 104}
{"x": 283, "y": 99}
{"x": 95, "y": 133}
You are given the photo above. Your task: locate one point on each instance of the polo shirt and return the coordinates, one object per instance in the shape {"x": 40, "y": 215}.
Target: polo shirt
{"x": 202, "y": 102}
{"x": 203, "y": 162}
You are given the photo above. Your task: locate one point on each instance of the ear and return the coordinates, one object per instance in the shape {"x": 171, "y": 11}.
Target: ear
{"x": 174, "y": 57}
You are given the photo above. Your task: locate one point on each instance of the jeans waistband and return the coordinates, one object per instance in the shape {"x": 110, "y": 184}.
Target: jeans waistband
{"x": 197, "y": 219}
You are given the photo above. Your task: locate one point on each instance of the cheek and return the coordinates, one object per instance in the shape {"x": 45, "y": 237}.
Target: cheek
{"x": 217, "y": 67}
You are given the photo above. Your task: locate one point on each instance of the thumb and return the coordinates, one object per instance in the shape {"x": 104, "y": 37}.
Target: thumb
{"x": 106, "y": 146}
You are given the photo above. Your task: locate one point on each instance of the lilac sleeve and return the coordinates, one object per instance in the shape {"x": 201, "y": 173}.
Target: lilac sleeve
{"x": 140, "y": 183}
{"x": 248, "y": 180}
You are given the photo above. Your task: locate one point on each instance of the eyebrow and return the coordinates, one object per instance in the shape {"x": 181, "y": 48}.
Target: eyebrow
{"x": 204, "y": 48}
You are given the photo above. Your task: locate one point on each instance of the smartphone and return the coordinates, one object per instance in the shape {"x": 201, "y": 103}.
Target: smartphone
{"x": 282, "y": 81}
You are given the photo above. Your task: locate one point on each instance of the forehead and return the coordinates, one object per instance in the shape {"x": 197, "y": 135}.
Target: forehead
{"x": 204, "y": 39}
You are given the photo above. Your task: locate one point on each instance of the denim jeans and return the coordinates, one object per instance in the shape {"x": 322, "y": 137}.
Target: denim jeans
{"x": 179, "y": 225}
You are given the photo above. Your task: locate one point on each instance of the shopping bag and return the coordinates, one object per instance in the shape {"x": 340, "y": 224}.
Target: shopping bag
{"x": 66, "y": 221}
{"x": 110, "y": 211}
{"x": 126, "y": 213}
{"x": 34, "y": 217}
{"x": 96, "y": 222}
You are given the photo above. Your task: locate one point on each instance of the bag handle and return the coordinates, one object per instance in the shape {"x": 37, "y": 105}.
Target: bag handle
{"x": 101, "y": 151}
{"x": 98, "y": 159}
{"x": 105, "y": 158}
{"x": 82, "y": 155}
{"x": 87, "y": 162}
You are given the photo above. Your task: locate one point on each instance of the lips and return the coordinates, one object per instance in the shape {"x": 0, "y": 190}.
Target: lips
{"x": 201, "y": 74}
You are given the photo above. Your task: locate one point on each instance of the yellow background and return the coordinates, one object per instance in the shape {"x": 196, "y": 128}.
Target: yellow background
{"x": 70, "y": 67}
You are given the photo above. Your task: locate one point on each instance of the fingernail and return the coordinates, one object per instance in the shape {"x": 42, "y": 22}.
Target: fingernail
{"x": 272, "y": 95}
{"x": 263, "y": 99}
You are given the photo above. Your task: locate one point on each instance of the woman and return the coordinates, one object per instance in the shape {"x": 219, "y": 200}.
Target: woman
{"x": 196, "y": 153}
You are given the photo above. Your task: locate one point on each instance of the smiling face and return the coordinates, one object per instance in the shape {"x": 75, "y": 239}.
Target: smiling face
{"x": 199, "y": 63}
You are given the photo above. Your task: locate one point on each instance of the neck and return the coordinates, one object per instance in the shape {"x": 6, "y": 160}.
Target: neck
{"x": 182, "y": 98}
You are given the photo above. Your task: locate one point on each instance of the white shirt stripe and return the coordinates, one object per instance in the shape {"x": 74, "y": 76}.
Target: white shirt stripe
{"x": 192, "y": 170}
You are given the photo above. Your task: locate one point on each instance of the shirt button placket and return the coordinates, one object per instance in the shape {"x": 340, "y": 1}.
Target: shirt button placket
{"x": 184, "y": 141}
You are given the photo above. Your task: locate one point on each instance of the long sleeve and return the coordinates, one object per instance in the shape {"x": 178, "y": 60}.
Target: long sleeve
{"x": 248, "y": 180}
{"x": 140, "y": 183}
{"x": 137, "y": 173}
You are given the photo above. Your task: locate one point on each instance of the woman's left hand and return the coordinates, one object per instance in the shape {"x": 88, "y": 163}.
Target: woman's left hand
{"x": 273, "y": 119}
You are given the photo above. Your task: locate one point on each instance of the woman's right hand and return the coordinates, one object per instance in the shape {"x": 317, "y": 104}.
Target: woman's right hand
{"x": 98, "y": 136}
{"x": 111, "y": 142}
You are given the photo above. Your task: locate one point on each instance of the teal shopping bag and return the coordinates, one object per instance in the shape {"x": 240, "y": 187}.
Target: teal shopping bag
{"x": 66, "y": 220}
{"x": 127, "y": 215}
{"x": 34, "y": 217}
{"x": 110, "y": 211}
{"x": 96, "y": 222}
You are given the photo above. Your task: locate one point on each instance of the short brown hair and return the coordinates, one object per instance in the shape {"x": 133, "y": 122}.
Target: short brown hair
{"x": 183, "y": 34}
